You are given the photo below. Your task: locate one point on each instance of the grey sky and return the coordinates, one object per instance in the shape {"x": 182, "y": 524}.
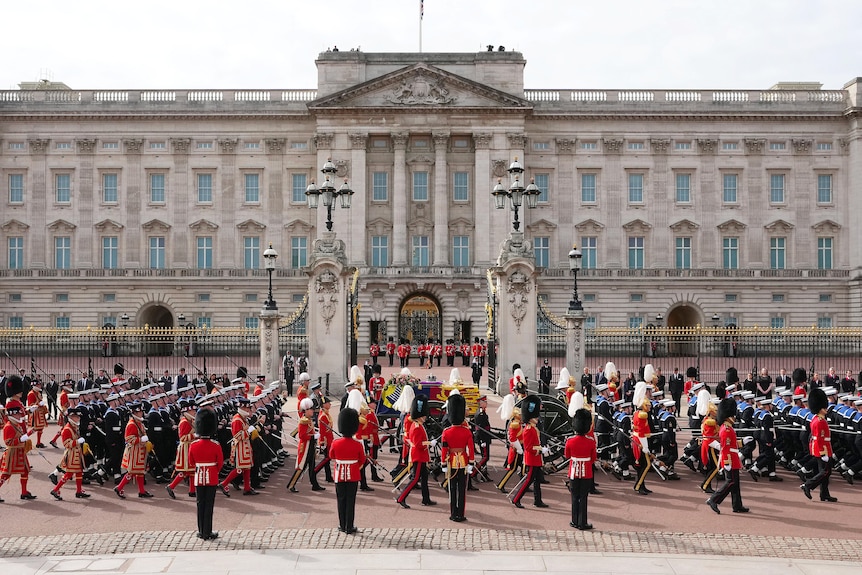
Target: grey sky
{"x": 567, "y": 43}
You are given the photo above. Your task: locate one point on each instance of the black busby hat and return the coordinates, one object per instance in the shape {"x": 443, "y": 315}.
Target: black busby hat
{"x": 530, "y": 407}
{"x": 14, "y": 385}
{"x": 799, "y": 375}
{"x": 348, "y": 422}
{"x": 456, "y": 408}
{"x": 582, "y": 422}
{"x": 241, "y": 372}
{"x": 419, "y": 407}
{"x": 731, "y": 376}
{"x": 691, "y": 372}
{"x": 726, "y": 409}
{"x": 206, "y": 422}
{"x": 119, "y": 369}
{"x": 817, "y": 400}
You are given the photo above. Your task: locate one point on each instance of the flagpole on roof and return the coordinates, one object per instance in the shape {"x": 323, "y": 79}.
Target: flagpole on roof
{"x": 421, "y": 16}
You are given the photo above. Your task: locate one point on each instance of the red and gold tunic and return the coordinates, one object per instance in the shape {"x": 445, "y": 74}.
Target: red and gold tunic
{"x": 324, "y": 421}
{"x": 135, "y": 452}
{"x": 820, "y": 443}
{"x": 39, "y": 418}
{"x": 14, "y": 460}
{"x": 63, "y": 402}
{"x": 240, "y": 451}
{"x": 640, "y": 432}
{"x": 514, "y": 433}
{"x": 581, "y": 453}
{"x": 187, "y": 436}
{"x": 375, "y": 386}
{"x": 729, "y": 447}
{"x": 305, "y": 433}
{"x": 368, "y": 429}
{"x": 73, "y": 457}
{"x": 708, "y": 434}
{"x": 457, "y": 449}
{"x": 349, "y": 457}
{"x": 205, "y": 457}
{"x": 532, "y": 446}
{"x": 418, "y": 444}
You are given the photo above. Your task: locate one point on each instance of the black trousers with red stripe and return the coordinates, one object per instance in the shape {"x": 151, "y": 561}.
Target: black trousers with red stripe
{"x": 534, "y": 476}
{"x": 420, "y": 476}
{"x": 457, "y": 493}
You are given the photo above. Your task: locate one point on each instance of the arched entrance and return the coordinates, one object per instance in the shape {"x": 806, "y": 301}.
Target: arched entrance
{"x": 419, "y": 318}
{"x": 680, "y": 318}
{"x": 160, "y": 321}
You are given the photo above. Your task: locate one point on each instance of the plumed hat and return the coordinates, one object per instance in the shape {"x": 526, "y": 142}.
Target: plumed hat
{"x": 731, "y": 376}
{"x": 639, "y": 394}
{"x": 703, "y": 402}
{"x": 206, "y": 422}
{"x": 726, "y": 410}
{"x": 582, "y": 421}
{"x": 691, "y": 372}
{"x": 455, "y": 377}
{"x": 14, "y": 385}
{"x": 348, "y": 422}
{"x": 576, "y": 403}
{"x": 817, "y": 400}
{"x": 563, "y": 383}
{"x": 420, "y": 407}
{"x": 799, "y": 375}
{"x": 518, "y": 375}
{"x": 507, "y": 407}
{"x": 405, "y": 399}
{"x": 119, "y": 369}
{"x": 610, "y": 370}
{"x": 306, "y": 403}
{"x": 356, "y": 376}
{"x": 456, "y": 408}
{"x": 356, "y": 401}
{"x": 531, "y": 406}
{"x": 649, "y": 373}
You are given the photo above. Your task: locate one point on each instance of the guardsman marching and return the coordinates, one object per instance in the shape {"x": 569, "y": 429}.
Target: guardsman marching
{"x": 457, "y": 455}
{"x": 324, "y": 424}
{"x": 819, "y": 446}
{"x": 728, "y": 458}
{"x": 514, "y": 432}
{"x": 420, "y": 454}
{"x": 72, "y": 464}
{"x": 37, "y": 406}
{"x": 205, "y": 456}
{"x": 307, "y": 437}
{"x": 240, "y": 451}
{"x": 533, "y": 453}
{"x": 349, "y": 456}
{"x": 135, "y": 453}
{"x": 183, "y": 468}
{"x": 709, "y": 445}
{"x": 14, "y": 460}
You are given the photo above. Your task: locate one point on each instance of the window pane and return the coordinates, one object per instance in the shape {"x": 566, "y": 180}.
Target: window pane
{"x": 776, "y": 188}
{"x": 420, "y": 186}
{"x": 380, "y": 186}
{"x": 380, "y": 251}
{"x": 63, "y": 252}
{"x": 252, "y": 322}
{"x": 205, "y": 188}
{"x": 461, "y": 251}
{"x": 62, "y": 323}
{"x": 542, "y": 251}
{"x": 252, "y": 188}
{"x": 421, "y": 251}
{"x": 589, "y": 248}
{"x": 110, "y": 252}
{"x": 636, "y": 252}
{"x": 683, "y": 188}
{"x": 157, "y": 253}
{"x": 109, "y": 188}
{"x": 776, "y": 253}
{"x": 730, "y": 253}
{"x": 157, "y": 188}
{"x": 16, "y": 188}
{"x": 16, "y": 322}
{"x": 824, "y": 253}
{"x": 460, "y": 189}
{"x": 16, "y": 253}
{"x": 776, "y": 322}
{"x": 251, "y": 253}
{"x": 298, "y": 184}
{"x": 636, "y": 188}
{"x": 205, "y": 322}
{"x": 588, "y": 188}
{"x": 683, "y": 253}
{"x": 205, "y": 252}
{"x": 63, "y": 188}
{"x": 729, "y": 189}
{"x": 298, "y": 252}
{"x": 824, "y": 189}
{"x": 542, "y": 182}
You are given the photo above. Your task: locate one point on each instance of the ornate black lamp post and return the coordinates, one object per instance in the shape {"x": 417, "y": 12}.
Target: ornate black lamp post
{"x": 516, "y": 193}
{"x": 329, "y": 193}
{"x": 269, "y": 257}
{"x": 575, "y": 257}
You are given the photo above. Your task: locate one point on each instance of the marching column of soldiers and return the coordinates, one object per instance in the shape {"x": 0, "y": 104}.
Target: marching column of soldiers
{"x": 129, "y": 432}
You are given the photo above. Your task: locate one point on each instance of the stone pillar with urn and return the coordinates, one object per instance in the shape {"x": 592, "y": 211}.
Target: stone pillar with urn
{"x": 327, "y": 309}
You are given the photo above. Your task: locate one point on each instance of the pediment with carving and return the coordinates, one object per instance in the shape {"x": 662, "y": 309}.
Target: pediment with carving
{"x": 156, "y": 225}
{"x": 460, "y": 226}
{"x": 778, "y": 226}
{"x": 541, "y": 226}
{"x": 15, "y": 226}
{"x": 251, "y": 226}
{"x": 731, "y": 226}
{"x": 420, "y": 226}
{"x": 826, "y": 226}
{"x": 684, "y": 225}
{"x": 108, "y": 225}
{"x": 203, "y": 226}
{"x": 590, "y": 226}
{"x": 419, "y": 86}
{"x": 379, "y": 226}
{"x": 298, "y": 226}
{"x": 637, "y": 225}
{"x": 61, "y": 225}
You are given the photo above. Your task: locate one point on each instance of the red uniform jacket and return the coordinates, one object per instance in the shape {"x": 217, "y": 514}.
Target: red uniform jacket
{"x": 369, "y": 430}
{"x": 375, "y": 350}
{"x": 135, "y": 453}
{"x": 390, "y": 348}
{"x": 14, "y": 459}
{"x": 820, "y": 442}
{"x": 38, "y": 418}
{"x": 514, "y": 433}
{"x": 532, "y": 446}
{"x": 729, "y": 447}
{"x": 418, "y": 449}
{"x": 581, "y": 453}
{"x": 324, "y": 421}
{"x": 72, "y": 455}
{"x": 450, "y": 350}
{"x": 457, "y": 449}
{"x": 640, "y": 432}
{"x": 708, "y": 433}
{"x": 187, "y": 436}
{"x": 349, "y": 457}
{"x": 375, "y": 386}
{"x": 240, "y": 453}
{"x": 206, "y": 457}
{"x": 305, "y": 433}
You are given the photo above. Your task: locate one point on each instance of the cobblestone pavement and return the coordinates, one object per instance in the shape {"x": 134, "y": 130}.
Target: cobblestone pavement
{"x": 438, "y": 539}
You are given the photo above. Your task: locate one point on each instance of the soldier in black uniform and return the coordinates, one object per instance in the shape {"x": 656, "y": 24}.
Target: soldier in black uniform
{"x": 482, "y": 436}
{"x": 676, "y": 384}
{"x": 545, "y": 374}
{"x": 114, "y": 440}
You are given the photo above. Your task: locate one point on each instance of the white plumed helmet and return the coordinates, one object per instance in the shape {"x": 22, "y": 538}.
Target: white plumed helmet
{"x": 576, "y": 403}
{"x": 507, "y": 408}
{"x": 610, "y": 370}
{"x": 703, "y": 401}
{"x": 405, "y": 400}
{"x": 563, "y": 383}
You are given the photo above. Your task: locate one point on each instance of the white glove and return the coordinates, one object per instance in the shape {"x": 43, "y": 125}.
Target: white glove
{"x": 32, "y": 408}
{"x": 469, "y": 469}
{"x": 43, "y": 403}
{"x": 144, "y": 439}
{"x": 747, "y": 440}
{"x": 25, "y": 437}
{"x": 251, "y": 429}
{"x": 518, "y": 447}
{"x": 825, "y": 458}
{"x": 483, "y": 445}
{"x": 727, "y": 467}
{"x": 316, "y": 436}
{"x": 445, "y": 470}
{"x": 546, "y": 451}
{"x": 433, "y": 443}
{"x": 81, "y": 441}
{"x": 715, "y": 445}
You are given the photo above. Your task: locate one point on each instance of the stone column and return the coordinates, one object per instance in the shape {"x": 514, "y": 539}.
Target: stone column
{"x": 135, "y": 241}
{"x": 483, "y": 208}
{"x": 656, "y": 197}
{"x": 177, "y": 202}
{"x": 400, "y": 192}
{"x": 327, "y": 309}
{"x": 43, "y": 191}
{"x": 515, "y": 278}
{"x": 575, "y": 341}
{"x": 270, "y": 358}
{"x": 441, "y": 200}
{"x": 86, "y": 198}
{"x": 357, "y": 213}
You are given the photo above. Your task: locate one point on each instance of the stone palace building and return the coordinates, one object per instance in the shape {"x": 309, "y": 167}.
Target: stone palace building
{"x": 691, "y": 207}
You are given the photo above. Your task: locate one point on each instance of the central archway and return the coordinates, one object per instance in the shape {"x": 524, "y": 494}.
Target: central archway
{"x": 420, "y": 318}
{"x": 683, "y": 316}
{"x": 159, "y": 319}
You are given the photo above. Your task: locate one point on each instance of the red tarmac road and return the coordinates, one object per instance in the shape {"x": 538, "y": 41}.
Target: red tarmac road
{"x": 675, "y": 506}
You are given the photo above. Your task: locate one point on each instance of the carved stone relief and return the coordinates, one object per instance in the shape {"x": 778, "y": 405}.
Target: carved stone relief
{"x": 326, "y": 290}
{"x": 518, "y": 290}
{"x": 420, "y": 90}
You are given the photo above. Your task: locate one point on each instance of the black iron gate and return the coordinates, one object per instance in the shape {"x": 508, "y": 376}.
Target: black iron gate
{"x": 550, "y": 342}
{"x": 353, "y": 307}
{"x": 293, "y": 333}
{"x": 491, "y": 327}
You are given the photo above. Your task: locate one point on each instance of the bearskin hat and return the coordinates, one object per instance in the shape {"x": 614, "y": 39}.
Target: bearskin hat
{"x": 817, "y": 400}
{"x": 582, "y": 421}
{"x": 420, "y": 407}
{"x": 800, "y": 375}
{"x": 119, "y": 369}
{"x": 531, "y": 406}
{"x": 206, "y": 423}
{"x": 691, "y": 372}
{"x": 348, "y": 422}
{"x": 456, "y": 407}
{"x": 726, "y": 410}
{"x": 241, "y": 372}
{"x": 14, "y": 385}
{"x": 731, "y": 376}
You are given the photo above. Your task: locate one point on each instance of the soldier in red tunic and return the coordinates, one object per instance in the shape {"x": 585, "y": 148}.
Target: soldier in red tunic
{"x": 377, "y": 383}
{"x": 533, "y": 454}
{"x": 375, "y": 351}
{"x": 349, "y": 456}
{"x": 581, "y": 453}
{"x": 390, "y": 351}
{"x": 514, "y": 434}
{"x": 205, "y": 456}
{"x": 14, "y": 460}
{"x": 135, "y": 454}
{"x": 819, "y": 446}
{"x": 37, "y": 405}
{"x": 324, "y": 424}
{"x": 457, "y": 455}
{"x": 420, "y": 455}
{"x": 640, "y": 436}
{"x": 307, "y": 437}
{"x": 72, "y": 464}
{"x": 240, "y": 452}
{"x": 183, "y": 468}
{"x": 728, "y": 458}
{"x": 63, "y": 403}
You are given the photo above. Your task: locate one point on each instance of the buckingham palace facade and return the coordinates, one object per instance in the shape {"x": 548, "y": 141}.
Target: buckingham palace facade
{"x": 690, "y": 207}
